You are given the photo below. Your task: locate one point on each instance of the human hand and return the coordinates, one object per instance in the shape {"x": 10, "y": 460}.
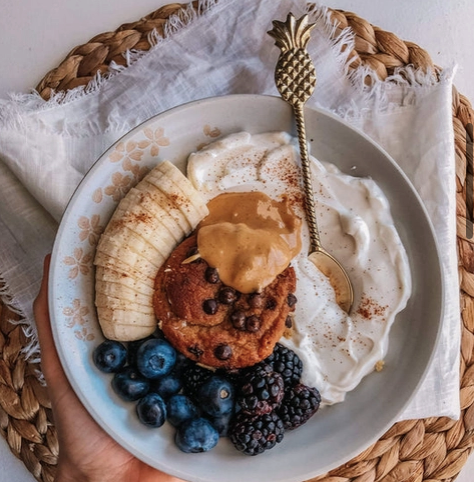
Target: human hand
{"x": 86, "y": 452}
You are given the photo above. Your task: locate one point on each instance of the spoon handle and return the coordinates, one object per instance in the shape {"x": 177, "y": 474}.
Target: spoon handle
{"x": 315, "y": 242}
{"x": 295, "y": 78}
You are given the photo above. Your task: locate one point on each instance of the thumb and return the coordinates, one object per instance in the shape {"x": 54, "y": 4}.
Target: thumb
{"x": 50, "y": 362}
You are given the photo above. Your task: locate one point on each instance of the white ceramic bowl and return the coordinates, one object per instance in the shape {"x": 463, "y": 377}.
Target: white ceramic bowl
{"x": 336, "y": 433}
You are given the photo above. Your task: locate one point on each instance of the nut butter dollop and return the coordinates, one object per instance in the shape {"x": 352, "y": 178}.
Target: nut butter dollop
{"x": 249, "y": 238}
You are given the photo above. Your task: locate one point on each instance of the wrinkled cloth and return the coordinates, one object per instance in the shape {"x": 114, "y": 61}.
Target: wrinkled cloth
{"x": 46, "y": 148}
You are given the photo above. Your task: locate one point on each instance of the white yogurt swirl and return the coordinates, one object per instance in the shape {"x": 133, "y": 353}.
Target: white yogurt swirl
{"x": 356, "y": 227}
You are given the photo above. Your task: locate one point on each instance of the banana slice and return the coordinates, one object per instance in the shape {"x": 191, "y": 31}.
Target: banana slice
{"x": 127, "y": 317}
{"x": 162, "y": 239}
{"x": 168, "y": 178}
{"x": 132, "y": 259}
{"x": 110, "y": 276}
{"x": 107, "y": 301}
{"x": 152, "y": 196}
{"x": 143, "y": 231}
{"x": 187, "y": 210}
{"x": 135, "y": 242}
{"x": 114, "y": 331}
{"x": 195, "y": 197}
{"x": 109, "y": 262}
{"x": 125, "y": 325}
{"x": 142, "y": 222}
{"x": 119, "y": 291}
{"x": 152, "y": 199}
{"x": 133, "y": 252}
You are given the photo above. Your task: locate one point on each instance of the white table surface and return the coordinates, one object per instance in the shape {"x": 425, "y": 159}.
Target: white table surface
{"x": 36, "y": 36}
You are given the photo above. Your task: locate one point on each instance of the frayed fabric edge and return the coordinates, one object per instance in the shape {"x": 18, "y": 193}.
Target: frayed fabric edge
{"x": 31, "y": 351}
{"x": 21, "y": 103}
{"x": 405, "y": 87}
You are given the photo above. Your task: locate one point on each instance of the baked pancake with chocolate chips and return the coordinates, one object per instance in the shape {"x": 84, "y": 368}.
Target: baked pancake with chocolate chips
{"x": 214, "y": 324}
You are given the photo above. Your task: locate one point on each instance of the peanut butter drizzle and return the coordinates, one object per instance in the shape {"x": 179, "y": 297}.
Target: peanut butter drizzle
{"x": 249, "y": 238}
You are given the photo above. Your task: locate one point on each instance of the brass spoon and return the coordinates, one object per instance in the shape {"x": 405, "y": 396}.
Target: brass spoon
{"x": 295, "y": 78}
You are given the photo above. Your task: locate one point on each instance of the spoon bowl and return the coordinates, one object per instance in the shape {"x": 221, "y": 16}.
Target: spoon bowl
{"x": 337, "y": 275}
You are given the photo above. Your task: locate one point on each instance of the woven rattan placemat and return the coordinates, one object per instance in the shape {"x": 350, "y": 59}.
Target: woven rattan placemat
{"x": 429, "y": 450}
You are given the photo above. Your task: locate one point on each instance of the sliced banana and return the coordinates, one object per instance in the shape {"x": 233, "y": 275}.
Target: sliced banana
{"x": 162, "y": 237}
{"x": 132, "y": 259}
{"x": 163, "y": 241}
{"x": 167, "y": 178}
{"x": 116, "y": 290}
{"x": 153, "y": 200}
{"x": 127, "y": 317}
{"x": 172, "y": 172}
{"x": 116, "y": 247}
{"x": 107, "y": 301}
{"x": 109, "y": 276}
{"x": 114, "y": 331}
{"x": 178, "y": 207}
{"x": 175, "y": 195}
{"x": 142, "y": 222}
{"x": 106, "y": 261}
{"x": 146, "y": 226}
{"x": 123, "y": 325}
{"x": 135, "y": 242}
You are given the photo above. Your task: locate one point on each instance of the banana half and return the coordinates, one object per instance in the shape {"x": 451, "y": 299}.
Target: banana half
{"x": 146, "y": 226}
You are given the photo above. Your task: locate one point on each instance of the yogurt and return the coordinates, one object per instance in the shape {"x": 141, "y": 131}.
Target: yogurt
{"x": 356, "y": 226}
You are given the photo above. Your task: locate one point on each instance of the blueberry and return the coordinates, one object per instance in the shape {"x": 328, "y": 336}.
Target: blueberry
{"x": 155, "y": 358}
{"x": 180, "y": 408}
{"x": 216, "y": 396}
{"x": 222, "y": 423}
{"x": 196, "y": 435}
{"x": 133, "y": 347}
{"x": 110, "y": 356}
{"x": 129, "y": 385}
{"x": 166, "y": 386}
{"x": 151, "y": 410}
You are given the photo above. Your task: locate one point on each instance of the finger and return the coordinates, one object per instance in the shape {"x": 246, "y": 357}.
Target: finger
{"x": 41, "y": 311}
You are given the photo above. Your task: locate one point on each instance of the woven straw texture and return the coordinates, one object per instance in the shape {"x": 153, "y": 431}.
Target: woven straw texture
{"x": 429, "y": 450}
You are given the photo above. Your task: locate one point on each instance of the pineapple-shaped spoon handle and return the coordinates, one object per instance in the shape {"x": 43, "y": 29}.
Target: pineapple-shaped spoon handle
{"x": 295, "y": 78}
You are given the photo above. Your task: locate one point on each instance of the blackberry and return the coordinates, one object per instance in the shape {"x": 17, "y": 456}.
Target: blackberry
{"x": 193, "y": 377}
{"x": 181, "y": 365}
{"x": 261, "y": 390}
{"x": 287, "y": 363}
{"x": 254, "y": 435}
{"x": 299, "y": 405}
{"x": 233, "y": 375}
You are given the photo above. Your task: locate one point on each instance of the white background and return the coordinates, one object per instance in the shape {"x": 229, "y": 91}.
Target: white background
{"x": 36, "y": 36}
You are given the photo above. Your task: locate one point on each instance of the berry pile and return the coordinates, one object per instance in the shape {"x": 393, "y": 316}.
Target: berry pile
{"x": 253, "y": 406}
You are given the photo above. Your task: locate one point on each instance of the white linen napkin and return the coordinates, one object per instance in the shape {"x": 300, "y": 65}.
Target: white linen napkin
{"x": 47, "y": 147}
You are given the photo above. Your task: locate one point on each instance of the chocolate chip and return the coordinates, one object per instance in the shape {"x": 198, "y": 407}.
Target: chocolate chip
{"x": 238, "y": 319}
{"x": 252, "y": 323}
{"x": 210, "y": 306}
{"x": 288, "y": 322}
{"x": 223, "y": 352}
{"x": 291, "y": 300}
{"x": 212, "y": 275}
{"x": 256, "y": 300}
{"x": 195, "y": 350}
{"x": 227, "y": 295}
{"x": 271, "y": 304}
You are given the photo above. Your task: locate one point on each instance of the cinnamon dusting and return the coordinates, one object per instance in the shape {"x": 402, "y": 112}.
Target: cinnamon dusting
{"x": 369, "y": 308}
